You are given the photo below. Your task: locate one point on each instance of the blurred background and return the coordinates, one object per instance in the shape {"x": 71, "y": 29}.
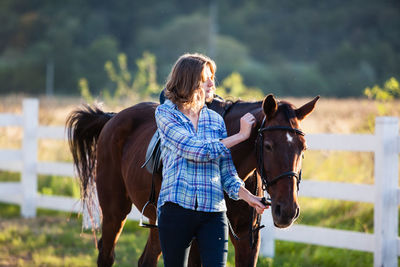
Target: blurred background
{"x": 120, "y": 53}
{"x": 289, "y": 48}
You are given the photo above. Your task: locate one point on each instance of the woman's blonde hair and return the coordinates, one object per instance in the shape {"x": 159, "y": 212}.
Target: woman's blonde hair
{"x": 186, "y": 78}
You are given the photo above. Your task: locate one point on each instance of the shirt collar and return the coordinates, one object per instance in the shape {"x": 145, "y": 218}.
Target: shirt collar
{"x": 174, "y": 107}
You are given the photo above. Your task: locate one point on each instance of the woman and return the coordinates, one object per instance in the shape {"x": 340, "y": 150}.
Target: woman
{"x": 197, "y": 166}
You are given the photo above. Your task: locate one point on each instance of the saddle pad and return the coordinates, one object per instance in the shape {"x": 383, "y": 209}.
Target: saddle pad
{"x": 152, "y": 161}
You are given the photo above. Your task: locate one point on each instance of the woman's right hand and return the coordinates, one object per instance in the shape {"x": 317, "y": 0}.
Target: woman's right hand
{"x": 247, "y": 122}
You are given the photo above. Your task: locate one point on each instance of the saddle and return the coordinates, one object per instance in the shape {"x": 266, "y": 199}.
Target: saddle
{"x": 153, "y": 162}
{"x": 153, "y": 165}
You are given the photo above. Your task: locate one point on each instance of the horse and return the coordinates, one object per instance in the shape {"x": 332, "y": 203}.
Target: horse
{"x": 109, "y": 148}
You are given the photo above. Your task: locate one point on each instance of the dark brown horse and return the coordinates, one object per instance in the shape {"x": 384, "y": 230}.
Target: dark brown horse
{"x": 109, "y": 149}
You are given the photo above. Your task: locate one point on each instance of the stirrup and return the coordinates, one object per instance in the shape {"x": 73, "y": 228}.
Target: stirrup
{"x": 147, "y": 225}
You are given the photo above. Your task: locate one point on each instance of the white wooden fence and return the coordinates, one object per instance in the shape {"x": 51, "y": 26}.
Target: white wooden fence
{"x": 384, "y": 194}
{"x": 25, "y": 160}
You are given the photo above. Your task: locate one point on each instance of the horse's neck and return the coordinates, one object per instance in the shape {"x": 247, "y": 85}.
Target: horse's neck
{"x": 232, "y": 118}
{"x": 243, "y": 154}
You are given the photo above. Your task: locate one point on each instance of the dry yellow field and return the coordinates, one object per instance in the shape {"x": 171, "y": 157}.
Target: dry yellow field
{"x": 330, "y": 116}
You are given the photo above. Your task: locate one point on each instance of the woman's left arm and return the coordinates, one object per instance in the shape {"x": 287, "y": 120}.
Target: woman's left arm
{"x": 252, "y": 200}
{"x": 229, "y": 177}
{"x": 234, "y": 186}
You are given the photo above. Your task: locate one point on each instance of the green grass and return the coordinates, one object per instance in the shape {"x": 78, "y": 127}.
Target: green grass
{"x": 56, "y": 238}
{"x": 48, "y": 184}
{"x": 58, "y": 185}
{"x": 344, "y": 215}
{"x": 339, "y": 166}
{"x": 302, "y": 255}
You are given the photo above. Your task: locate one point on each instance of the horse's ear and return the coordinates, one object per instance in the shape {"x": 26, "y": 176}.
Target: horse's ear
{"x": 269, "y": 106}
{"x": 306, "y": 109}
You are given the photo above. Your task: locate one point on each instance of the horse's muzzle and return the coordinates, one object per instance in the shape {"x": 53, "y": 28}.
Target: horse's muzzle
{"x": 285, "y": 215}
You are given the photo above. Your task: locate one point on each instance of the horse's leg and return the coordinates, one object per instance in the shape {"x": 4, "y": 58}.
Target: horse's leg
{"x": 115, "y": 207}
{"x": 194, "y": 255}
{"x": 245, "y": 255}
{"x": 152, "y": 250}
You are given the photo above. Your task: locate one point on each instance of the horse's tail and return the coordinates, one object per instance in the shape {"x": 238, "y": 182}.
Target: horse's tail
{"x": 84, "y": 127}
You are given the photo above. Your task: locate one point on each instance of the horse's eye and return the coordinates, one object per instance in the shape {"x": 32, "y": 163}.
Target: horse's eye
{"x": 268, "y": 147}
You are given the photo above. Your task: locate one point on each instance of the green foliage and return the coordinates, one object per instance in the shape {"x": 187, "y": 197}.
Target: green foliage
{"x": 233, "y": 86}
{"x": 231, "y": 55}
{"x": 9, "y": 211}
{"x": 56, "y": 185}
{"x": 125, "y": 88}
{"x": 121, "y": 79}
{"x": 48, "y": 184}
{"x": 6, "y": 176}
{"x": 265, "y": 41}
{"x": 85, "y": 91}
{"x": 390, "y": 90}
{"x": 179, "y": 34}
{"x": 383, "y": 98}
{"x": 145, "y": 81}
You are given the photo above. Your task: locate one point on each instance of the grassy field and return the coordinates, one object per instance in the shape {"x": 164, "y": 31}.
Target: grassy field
{"x": 57, "y": 239}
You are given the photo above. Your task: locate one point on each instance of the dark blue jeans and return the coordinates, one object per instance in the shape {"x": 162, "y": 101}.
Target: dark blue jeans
{"x": 178, "y": 226}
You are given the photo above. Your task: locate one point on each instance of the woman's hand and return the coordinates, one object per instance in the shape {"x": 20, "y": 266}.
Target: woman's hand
{"x": 252, "y": 200}
{"x": 247, "y": 122}
{"x": 255, "y": 202}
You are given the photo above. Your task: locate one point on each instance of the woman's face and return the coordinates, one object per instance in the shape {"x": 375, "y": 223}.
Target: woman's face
{"x": 208, "y": 84}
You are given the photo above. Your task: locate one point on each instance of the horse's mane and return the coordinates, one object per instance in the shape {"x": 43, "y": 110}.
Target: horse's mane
{"x": 283, "y": 107}
{"x": 226, "y": 102}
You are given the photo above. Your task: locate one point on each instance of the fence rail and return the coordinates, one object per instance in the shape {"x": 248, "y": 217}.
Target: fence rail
{"x": 384, "y": 193}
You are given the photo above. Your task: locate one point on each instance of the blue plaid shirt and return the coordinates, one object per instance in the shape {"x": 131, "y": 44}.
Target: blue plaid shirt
{"x": 196, "y": 165}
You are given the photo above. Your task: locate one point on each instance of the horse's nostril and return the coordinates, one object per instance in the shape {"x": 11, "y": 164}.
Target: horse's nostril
{"x": 278, "y": 210}
{"x": 297, "y": 213}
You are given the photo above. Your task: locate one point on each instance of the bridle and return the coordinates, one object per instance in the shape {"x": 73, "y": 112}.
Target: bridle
{"x": 260, "y": 155}
{"x": 266, "y": 183}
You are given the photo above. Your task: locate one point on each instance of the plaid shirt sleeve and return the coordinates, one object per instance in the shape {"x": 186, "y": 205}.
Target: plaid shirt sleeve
{"x": 180, "y": 141}
{"x": 229, "y": 177}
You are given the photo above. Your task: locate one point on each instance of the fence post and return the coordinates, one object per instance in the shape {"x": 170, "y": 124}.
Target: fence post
{"x": 29, "y": 157}
{"x": 386, "y": 184}
{"x": 267, "y": 235}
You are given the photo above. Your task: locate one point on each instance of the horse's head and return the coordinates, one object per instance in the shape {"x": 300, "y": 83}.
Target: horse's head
{"x": 280, "y": 146}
